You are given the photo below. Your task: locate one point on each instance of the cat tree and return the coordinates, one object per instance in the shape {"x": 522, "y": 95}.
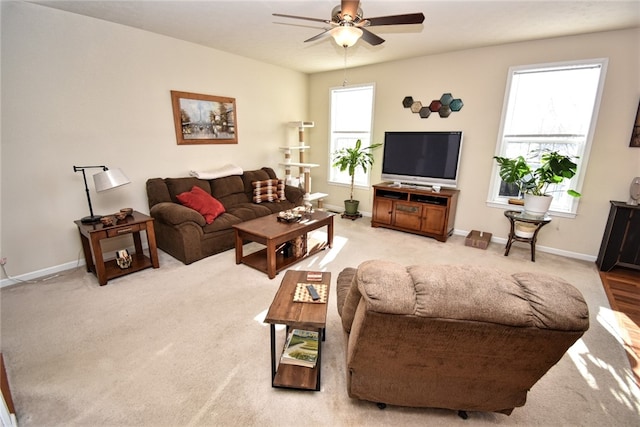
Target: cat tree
{"x": 304, "y": 175}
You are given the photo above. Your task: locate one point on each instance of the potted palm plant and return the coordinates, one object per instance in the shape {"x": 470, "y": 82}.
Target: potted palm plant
{"x": 350, "y": 159}
{"x": 533, "y": 183}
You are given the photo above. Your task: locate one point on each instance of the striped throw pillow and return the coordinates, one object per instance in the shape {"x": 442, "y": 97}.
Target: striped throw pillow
{"x": 269, "y": 190}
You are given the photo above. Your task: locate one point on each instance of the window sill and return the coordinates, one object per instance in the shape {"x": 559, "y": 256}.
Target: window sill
{"x": 507, "y": 206}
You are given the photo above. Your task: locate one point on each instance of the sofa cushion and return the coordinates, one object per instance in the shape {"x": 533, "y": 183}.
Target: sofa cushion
{"x": 248, "y": 177}
{"x": 181, "y": 185}
{"x": 248, "y": 211}
{"x": 227, "y": 186}
{"x": 201, "y": 201}
{"x": 224, "y": 222}
{"x": 268, "y": 190}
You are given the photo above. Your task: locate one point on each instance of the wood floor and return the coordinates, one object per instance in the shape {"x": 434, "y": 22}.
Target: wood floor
{"x": 623, "y": 291}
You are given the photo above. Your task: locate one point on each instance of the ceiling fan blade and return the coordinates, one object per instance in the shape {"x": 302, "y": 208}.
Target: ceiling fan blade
{"x": 326, "y": 21}
{"x": 371, "y": 38}
{"x": 410, "y": 18}
{"x": 318, "y": 36}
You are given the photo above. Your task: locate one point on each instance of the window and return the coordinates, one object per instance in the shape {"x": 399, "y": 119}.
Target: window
{"x": 550, "y": 107}
{"x": 351, "y": 119}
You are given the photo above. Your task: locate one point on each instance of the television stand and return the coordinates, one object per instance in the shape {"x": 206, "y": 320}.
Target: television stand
{"x": 415, "y": 210}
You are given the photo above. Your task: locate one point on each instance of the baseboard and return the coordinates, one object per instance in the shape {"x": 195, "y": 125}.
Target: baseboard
{"x": 547, "y": 249}
{"x": 41, "y": 275}
{"x": 500, "y": 240}
{"x": 340, "y": 209}
{"x": 51, "y": 272}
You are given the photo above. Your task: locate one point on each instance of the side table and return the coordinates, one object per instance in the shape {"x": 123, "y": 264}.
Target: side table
{"x": 308, "y": 316}
{"x": 92, "y": 234}
{"x": 518, "y": 216}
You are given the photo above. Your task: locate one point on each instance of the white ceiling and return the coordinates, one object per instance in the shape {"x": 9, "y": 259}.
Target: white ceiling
{"x": 247, "y": 27}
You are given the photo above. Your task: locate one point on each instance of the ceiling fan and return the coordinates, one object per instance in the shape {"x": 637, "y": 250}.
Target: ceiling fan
{"x": 348, "y": 24}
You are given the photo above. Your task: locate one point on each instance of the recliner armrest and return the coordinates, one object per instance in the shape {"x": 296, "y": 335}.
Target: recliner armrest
{"x": 175, "y": 214}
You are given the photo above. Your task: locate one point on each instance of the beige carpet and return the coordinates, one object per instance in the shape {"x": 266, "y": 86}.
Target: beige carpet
{"x": 185, "y": 345}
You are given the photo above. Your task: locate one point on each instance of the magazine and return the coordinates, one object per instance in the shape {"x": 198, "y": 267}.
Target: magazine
{"x": 301, "y": 348}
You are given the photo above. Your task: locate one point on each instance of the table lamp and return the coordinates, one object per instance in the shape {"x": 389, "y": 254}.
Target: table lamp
{"x": 105, "y": 180}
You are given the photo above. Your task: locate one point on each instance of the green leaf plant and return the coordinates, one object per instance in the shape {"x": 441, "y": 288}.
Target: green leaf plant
{"x": 554, "y": 168}
{"x": 351, "y": 158}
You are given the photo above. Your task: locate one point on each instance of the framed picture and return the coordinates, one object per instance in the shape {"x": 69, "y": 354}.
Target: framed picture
{"x": 635, "y": 133}
{"x": 204, "y": 119}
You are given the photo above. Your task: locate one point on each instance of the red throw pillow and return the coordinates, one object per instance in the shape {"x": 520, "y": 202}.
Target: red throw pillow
{"x": 201, "y": 201}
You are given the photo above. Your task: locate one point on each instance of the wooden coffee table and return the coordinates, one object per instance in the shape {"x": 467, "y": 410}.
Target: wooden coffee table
{"x": 272, "y": 233}
{"x": 300, "y": 315}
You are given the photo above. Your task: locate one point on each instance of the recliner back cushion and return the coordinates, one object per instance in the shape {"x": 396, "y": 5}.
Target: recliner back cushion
{"x": 386, "y": 287}
{"x": 472, "y": 293}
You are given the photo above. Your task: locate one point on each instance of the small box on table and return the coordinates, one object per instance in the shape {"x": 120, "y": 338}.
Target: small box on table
{"x": 478, "y": 239}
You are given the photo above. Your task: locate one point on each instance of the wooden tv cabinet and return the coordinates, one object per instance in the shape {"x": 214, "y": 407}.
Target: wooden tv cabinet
{"x": 415, "y": 209}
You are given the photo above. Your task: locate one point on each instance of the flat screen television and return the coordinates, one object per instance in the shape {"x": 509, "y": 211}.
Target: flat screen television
{"x": 422, "y": 158}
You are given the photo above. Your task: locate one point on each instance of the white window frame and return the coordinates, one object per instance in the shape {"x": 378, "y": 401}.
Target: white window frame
{"x": 340, "y": 138}
{"x": 582, "y": 150}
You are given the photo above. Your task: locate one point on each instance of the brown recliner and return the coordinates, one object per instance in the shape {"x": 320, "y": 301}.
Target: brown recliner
{"x": 457, "y": 337}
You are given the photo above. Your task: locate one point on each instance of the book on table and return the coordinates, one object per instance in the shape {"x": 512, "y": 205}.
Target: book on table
{"x": 301, "y": 348}
{"x": 314, "y": 276}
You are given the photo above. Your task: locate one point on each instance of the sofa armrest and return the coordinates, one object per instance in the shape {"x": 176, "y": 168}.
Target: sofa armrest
{"x": 175, "y": 214}
{"x": 294, "y": 194}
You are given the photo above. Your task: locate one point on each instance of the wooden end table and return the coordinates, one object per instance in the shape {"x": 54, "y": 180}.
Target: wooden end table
{"x": 92, "y": 234}
{"x": 300, "y": 315}
{"x": 518, "y": 216}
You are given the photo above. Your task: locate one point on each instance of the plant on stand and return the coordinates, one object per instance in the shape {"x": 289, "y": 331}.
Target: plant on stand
{"x": 350, "y": 159}
{"x": 533, "y": 183}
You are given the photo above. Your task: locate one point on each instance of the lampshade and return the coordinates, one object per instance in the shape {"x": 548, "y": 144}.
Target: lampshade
{"x": 110, "y": 178}
{"x": 346, "y": 35}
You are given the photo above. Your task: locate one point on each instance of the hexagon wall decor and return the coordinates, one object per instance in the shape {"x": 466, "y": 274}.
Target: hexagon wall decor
{"x": 416, "y": 106}
{"x": 444, "y": 106}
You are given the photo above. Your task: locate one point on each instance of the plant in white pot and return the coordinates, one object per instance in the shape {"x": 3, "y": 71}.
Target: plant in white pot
{"x": 533, "y": 183}
{"x": 350, "y": 159}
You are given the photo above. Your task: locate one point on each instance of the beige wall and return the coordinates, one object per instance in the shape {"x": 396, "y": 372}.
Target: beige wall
{"x": 478, "y": 76}
{"x": 79, "y": 91}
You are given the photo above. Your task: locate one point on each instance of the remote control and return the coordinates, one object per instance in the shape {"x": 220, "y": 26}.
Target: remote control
{"x": 312, "y": 291}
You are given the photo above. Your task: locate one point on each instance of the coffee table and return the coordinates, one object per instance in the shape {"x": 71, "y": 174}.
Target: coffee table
{"x": 268, "y": 231}
{"x": 301, "y": 315}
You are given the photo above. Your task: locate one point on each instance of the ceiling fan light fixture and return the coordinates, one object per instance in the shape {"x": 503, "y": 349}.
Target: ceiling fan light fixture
{"x": 346, "y": 35}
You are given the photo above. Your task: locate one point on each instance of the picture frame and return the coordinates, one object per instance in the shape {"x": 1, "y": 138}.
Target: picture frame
{"x": 635, "y": 132}
{"x": 204, "y": 119}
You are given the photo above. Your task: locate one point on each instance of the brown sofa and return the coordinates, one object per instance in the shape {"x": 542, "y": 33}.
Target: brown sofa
{"x": 456, "y": 337}
{"x": 183, "y": 232}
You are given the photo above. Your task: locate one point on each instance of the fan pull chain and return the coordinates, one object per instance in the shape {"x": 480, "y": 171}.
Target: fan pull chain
{"x": 344, "y": 81}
